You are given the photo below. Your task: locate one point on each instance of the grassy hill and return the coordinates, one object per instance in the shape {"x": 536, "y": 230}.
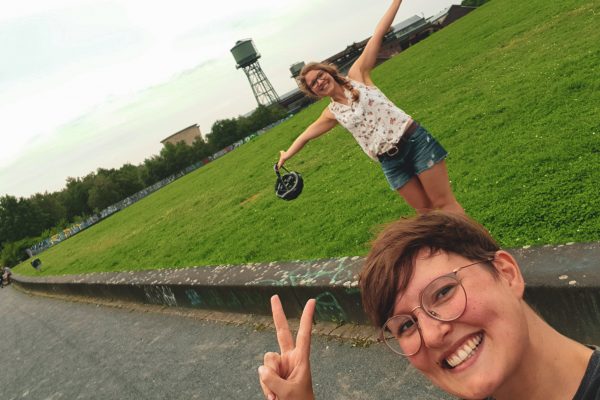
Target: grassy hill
{"x": 512, "y": 91}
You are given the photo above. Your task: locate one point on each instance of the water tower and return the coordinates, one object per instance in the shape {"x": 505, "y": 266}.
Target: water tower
{"x": 247, "y": 56}
{"x": 295, "y": 70}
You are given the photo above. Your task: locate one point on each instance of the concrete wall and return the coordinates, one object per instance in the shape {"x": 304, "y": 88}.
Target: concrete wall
{"x": 563, "y": 285}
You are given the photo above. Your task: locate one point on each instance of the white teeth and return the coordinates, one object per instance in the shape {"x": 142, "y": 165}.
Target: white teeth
{"x": 465, "y": 352}
{"x": 472, "y": 344}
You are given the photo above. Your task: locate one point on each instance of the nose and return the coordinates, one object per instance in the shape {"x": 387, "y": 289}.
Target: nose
{"x": 433, "y": 332}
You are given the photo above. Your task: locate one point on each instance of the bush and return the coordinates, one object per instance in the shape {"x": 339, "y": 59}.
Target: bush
{"x": 13, "y": 253}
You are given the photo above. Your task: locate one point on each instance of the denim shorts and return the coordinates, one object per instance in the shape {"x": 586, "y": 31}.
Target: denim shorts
{"x": 418, "y": 154}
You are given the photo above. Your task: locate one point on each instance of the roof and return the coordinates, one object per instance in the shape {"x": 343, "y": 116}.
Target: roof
{"x": 414, "y": 20}
{"x": 184, "y": 129}
{"x": 439, "y": 15}
{"x": 442, "y": 15}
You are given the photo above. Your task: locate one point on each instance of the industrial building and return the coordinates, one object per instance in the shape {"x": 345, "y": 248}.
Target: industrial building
{"x": 186, "y": 135}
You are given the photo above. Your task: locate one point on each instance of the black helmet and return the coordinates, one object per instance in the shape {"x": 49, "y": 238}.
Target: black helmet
{"x": 288, "y": 186}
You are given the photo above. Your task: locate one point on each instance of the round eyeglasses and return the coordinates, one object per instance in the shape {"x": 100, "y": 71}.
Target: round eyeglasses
{"x": 443, "y": 299}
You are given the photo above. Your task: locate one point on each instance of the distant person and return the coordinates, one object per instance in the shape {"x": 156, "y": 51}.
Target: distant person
{"x": 411, "y": 159}
{"x": 5, "y": 278}
{"x": 448, "y": 299}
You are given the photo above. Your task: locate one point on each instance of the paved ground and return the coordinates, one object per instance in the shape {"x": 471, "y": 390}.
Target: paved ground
{"x": 56, "y": 349}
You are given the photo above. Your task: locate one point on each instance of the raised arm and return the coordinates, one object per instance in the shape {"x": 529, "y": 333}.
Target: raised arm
{"x": 361, "y": 69}
{"x": 323, "y": 124}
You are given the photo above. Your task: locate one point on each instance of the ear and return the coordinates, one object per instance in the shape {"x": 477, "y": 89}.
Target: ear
{"x": 509, "y": 271}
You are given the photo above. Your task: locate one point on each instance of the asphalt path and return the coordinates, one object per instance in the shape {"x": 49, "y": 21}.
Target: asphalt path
{"x": 57, "y": 349}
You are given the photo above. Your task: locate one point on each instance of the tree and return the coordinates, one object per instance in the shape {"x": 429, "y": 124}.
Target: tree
{"x": 223, "y": 133}
{"x": 228, "y": 131}
{"x": 19, "y": 218}
{"x": 9, "y": 209}
{"x": 265, "y": 115}
{"x": 103, "y": 193}
{"x": 155, "y": 169}
{"x": 201, "y": 149}
{"x": 14, "y": 253}
{"x": 128, "y": 180}
{"x": 75, "y": 196}
{"x": 177, "y": 156}
{"x": 52, "y": 211}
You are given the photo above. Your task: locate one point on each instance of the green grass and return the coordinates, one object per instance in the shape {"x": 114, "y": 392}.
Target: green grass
{"x": 512, "y": 91}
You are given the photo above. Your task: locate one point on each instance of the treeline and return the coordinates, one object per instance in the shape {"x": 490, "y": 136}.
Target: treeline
{"x": 26, "y": 221}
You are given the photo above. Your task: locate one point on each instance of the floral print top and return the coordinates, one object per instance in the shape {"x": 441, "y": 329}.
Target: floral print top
{"x": 375, "y": 122}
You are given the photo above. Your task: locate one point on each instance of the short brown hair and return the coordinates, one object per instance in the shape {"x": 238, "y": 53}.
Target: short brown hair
{"x": 391, "y": 261}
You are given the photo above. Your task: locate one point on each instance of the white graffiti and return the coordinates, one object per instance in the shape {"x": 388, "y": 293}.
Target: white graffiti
{"x": 162, "y": 295}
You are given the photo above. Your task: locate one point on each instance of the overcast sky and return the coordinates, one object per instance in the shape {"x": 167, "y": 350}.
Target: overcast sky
{"x": 99, "y": 83}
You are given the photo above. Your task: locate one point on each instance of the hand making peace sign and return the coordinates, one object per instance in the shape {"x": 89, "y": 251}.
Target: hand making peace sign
{"x": 286, "y": 375}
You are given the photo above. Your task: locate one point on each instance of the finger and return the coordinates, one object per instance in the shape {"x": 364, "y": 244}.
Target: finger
{"x": 273, "y": 361}
{"x": 284, "y": 336}
{"x": 305, "y": 329}
{"x": 281, "y": 159}
{"x": 269, "y": 394}
{"x": 272, "y": 382}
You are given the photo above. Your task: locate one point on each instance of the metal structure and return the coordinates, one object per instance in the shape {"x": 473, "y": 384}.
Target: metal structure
{"x": 246, "y": 56}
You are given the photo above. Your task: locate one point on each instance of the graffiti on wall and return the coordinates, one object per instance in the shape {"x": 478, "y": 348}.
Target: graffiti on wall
{"x": 328, "y": 308}
{"x": 307, "y": 273}
{"x": 160, "y": 295}
{"x": 223, "y": 299}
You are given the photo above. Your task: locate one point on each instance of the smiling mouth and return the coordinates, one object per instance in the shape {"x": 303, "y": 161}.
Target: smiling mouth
{"x": 463, "y": 353}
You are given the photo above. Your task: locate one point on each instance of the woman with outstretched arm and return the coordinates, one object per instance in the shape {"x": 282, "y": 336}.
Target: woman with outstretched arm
{"x": 411, "y": 159}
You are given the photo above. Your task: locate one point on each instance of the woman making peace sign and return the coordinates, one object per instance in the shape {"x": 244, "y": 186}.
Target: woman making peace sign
{"x": 450, "y": 301}
{"x": 411, "y": 159}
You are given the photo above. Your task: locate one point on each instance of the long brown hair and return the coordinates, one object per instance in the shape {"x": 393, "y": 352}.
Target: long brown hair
{"x": 390, "y": 264}
{"x": 332, "y": 70}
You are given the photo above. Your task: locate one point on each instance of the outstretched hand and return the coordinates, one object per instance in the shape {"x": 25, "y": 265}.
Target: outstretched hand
{"x": 282, "y": 159}
{"x": 286, "y": 375}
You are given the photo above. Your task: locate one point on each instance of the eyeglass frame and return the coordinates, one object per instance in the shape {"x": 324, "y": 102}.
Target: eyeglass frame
{"x": 454, "y": 275}
{"x": 320, "y": 76}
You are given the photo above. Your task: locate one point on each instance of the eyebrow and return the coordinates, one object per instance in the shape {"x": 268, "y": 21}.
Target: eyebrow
{"x": 397, "y": 301}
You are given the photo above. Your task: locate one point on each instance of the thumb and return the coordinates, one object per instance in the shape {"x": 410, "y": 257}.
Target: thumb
{"x": 271, "y": 380}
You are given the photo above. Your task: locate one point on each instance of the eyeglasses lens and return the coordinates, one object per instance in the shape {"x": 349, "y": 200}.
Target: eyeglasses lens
{"x": 444, "y": 299}
{"x": 319, "y": 76}
{"x": 401, "y": 335}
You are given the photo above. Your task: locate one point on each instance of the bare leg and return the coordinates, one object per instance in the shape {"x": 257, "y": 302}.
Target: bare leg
{"x": 414, "y": 194}
{"x": 437, "y": 188}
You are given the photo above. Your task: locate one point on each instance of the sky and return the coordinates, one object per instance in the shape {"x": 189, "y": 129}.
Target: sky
{"x": 86, "y": 84}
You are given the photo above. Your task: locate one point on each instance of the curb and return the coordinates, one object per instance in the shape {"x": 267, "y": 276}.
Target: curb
{"x": 563, "y": 285}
